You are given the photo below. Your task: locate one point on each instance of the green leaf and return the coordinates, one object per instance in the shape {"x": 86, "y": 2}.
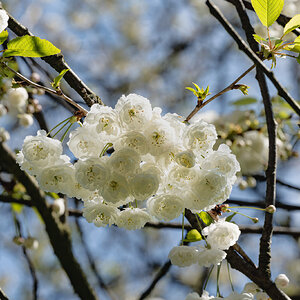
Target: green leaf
{"x": 267, "y": 10}
{"x": 57, "y": 79}
{"x": 17, "y": 207}
{"x": 30, "y": 46}
{"x": 205, "y": 217}
{"x": 244, "y": 101}
{"x": 292, "y": 24}
{"x": 193, "y": 236}
{"x": 229, "y": 218}
{"x": 3, "y": 36}
{"x": 295, "y": 47}
{"x": 258, "y": 38}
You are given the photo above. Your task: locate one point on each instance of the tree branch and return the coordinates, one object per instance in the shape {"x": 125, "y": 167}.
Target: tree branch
{"x": 2, "y": 295}
{"x": 58, "y": 63}
{"x": 58, "y": 233}
{"x": 245, "y": 48}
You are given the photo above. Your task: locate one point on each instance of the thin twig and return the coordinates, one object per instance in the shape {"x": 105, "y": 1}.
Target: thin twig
{"x": 247, "y": 50}
{"x": 265, "y": 241}
{"x": 2, "y": 295}
{"x": 54, "y": 92}
{"x": 29, "y": 262}
{"x": 58, "y": 63}
{"x": 279, "y": 181}
{"x": 91, "y": 261}
{"x": 230, "y": 87}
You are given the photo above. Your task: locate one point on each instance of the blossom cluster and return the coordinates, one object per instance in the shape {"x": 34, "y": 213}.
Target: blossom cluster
{"x": 250, "y": 292}
{"x": 160, "y": 164}
{"x": 220, "y": 236}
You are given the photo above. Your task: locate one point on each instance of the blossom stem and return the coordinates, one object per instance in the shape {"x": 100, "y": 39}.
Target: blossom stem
{"x": 258, "y": 208}
{"x": 58, "y": 125}
{"x": 255, "y": 220}
{"x": 182, "y": 231}
{"x": 208, "y": 276}
{"x": 64, "y": 135}
{"x": 61, "y": 128}
{"x": 136, "y": 204}
{"x": 229, "y": 276}
{"x": 108, "y": 145}
{"x": 218, "y": 279}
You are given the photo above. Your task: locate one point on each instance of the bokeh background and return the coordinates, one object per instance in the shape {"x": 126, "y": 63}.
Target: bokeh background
{"x": 156, "y": 49}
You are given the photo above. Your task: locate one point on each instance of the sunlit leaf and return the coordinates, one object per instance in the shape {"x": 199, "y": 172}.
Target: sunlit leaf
{"x": 30, "y": 46}
{"x": 292, "y": 24}
{"x": 267, "y": 10}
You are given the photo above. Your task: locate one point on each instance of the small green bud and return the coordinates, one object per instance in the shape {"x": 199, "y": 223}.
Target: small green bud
{"x": 271, "y": 209}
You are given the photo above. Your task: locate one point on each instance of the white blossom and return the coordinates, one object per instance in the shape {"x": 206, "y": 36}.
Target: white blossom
{"x": 195, "y": 296}
{"x": 183, "y": 256}
{"x": 84, "y": 142}
{"x": 200, "y": 136}
{"x": 210, "y": 189}
{"x": 58, "y": 206}
{"x": 251, "y": 287}
{"x": 57, "y": 179}
{"x": 16, "y": 99}
{"x": 115, "y": 189}
{"x": 4, "y": 135}
{"x": 3, "y": 110}
{"x": 134, "y": 111}
{"x": 134, "y": 140}
{"x": 252, "y": 154}
{"x": 160, "y": 136}
{"x": 221, "y": 234}
{"x": 39, "y": 152}
{"x": 100, "y": 213}
{"x": 208, "y": 257}
{"x": 133, "y": 218}
{"x": 125, "y": 161}
{"x": 223, "y": 161}
{"x": 25, "y": 120}
{"x": 104, "y": 119}
{"x": 165, "y": 207}
{"x": 262, "y": 296}
{"x": 92, "y": 172}
{"x": 185, "y": 158}
{"x": 3, "y": 19}
{"x": 243, "y": 296}
{"x": 144, "y": 185}
{"x": 282, "y": 281}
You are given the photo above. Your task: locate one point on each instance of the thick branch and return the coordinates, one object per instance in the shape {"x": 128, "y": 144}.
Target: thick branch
{"x": 265, "y": 241}
{"x": 58, "y": 233}
{"x": 58, "y": 63}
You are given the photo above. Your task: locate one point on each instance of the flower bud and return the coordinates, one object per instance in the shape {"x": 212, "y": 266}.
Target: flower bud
{"x": 31, "y": 243}
{"x": 25, "y": 120}
{"x": 18, "y": 240}
{"x": 243, "y": 185}
{"x": 35, "y": 77}
{"x": 4, "y": 135}
{"x": 262, "y": 296}
{"x": 271, "y": 209}
{"x": 58, "y": 206}
{"x": 281, "y": 281}
{"x": 251, "y": 182}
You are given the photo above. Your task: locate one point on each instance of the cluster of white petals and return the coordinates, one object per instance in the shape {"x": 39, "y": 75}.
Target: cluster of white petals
{"x": 3, "y": 19}
{"x": 232, "y": 296}
{"x": 221, "y": 234}
{"x": 159, "y": 164}
{"x": 195, "y": 296}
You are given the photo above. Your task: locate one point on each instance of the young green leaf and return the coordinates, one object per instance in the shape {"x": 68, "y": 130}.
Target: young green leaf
{"x": 292, "y": 24}
{"x": 244, "y": 101}
{"x": 259, "y": 39}
{"x": 229, "y": 218}
{"x": 30, "y": 46}
{"x": 57, "y": 79}
{"x": 295, "y": 47}
{"x": 267, "y": 10}
{"x": 193, "y": 236}
{"x": 205, "y": 217}
{"x": 3, "y": 36}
